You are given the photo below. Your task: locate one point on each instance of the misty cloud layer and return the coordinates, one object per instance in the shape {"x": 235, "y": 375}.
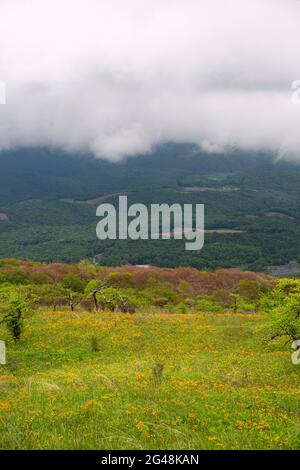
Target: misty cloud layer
{"x": 115, "y": 77}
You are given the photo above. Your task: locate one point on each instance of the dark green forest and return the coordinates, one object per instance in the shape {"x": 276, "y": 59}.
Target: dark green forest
{"x": 48, "y": 203}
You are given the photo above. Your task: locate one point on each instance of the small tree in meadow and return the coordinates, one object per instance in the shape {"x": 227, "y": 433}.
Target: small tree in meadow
{"x": 14, "y": 305}
{"x": 109, "y": 298}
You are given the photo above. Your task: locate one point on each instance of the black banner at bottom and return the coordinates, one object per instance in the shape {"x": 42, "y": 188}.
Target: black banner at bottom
{"x": 133, "y": 459}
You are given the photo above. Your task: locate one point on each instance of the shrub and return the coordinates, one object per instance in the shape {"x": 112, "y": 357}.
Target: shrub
{"x": 208, "y": 305}
{"x": 119, "y": 279}
{"x": 73, "y": 282}
{"x": 181, "y": 308}
{"x": 283, "y": 305}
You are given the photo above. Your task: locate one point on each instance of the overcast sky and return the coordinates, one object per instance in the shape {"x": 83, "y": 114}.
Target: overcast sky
{"x": 115, "y": 77}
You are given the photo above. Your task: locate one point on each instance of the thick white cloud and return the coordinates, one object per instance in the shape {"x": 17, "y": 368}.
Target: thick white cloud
{"x": 115, "y": 77}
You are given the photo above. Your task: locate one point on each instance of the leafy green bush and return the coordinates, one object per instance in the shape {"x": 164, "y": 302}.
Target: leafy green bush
{"x": 181, "y": 308}
{"x": 161, "y": 295}
{"x": 73, "y": 282}
{"x": 283, "y": 306}
{"x": 208, "y": 305}
{"x": 119, "y": 279}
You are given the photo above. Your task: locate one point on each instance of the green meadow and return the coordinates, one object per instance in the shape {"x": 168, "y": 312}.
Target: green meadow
{"x": 148, "y": 380}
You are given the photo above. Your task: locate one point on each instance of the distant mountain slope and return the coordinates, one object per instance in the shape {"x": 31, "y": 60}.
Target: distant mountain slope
{"x": 252, "y": 206}
{"x": 45, "y": 174}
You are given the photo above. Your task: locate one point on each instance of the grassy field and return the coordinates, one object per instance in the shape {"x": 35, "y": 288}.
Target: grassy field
{"x": 147, "y": 381}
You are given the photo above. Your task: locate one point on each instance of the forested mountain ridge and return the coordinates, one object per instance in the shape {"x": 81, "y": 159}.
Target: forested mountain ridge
{"x": 48, "y": 202}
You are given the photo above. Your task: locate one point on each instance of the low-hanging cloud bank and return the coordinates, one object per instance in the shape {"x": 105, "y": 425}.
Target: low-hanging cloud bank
{"x": 115, "y": 77}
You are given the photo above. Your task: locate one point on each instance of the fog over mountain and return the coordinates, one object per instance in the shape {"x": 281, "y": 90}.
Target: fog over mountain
{"x": 114, "y": 78}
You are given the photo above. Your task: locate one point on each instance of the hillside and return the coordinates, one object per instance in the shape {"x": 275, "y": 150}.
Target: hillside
{"x": 48, "y": 202}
